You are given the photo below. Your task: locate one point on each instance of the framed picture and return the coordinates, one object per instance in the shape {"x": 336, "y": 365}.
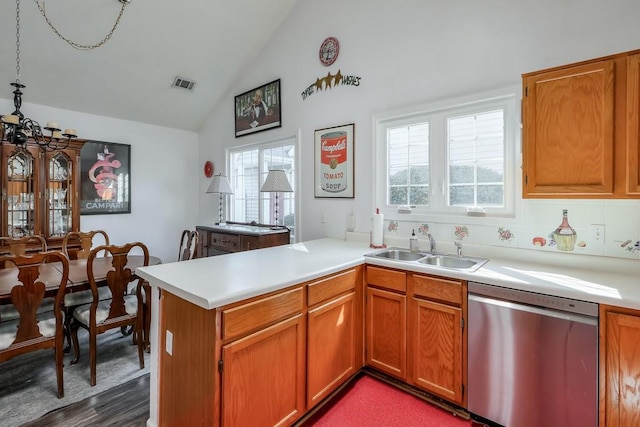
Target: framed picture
{"x": 105, "y": 178}
{"x": 334, "y": 161}
{"x": 258, "y": 109}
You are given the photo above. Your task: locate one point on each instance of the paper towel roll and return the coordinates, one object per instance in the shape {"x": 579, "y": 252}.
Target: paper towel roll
{"x": 377, "y": 227}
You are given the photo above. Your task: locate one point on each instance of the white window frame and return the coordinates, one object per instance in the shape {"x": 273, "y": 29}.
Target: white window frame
{"x": 436, "y": 114}
{"x": 265, "y": 145}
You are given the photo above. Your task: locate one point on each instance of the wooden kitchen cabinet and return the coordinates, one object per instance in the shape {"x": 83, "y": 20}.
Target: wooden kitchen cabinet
{"x": 436, "y": 340}
{"x": 334, "y": 333}
{"x": 633, "y": 124}
{"x": 40, "y": 192}
{"x": 619, "y": 367}
{"x": 386, "y": 321}
{"x": 291, "y": 348}
{"x": 263, "y": 376}
{"x": 580, "y": 130}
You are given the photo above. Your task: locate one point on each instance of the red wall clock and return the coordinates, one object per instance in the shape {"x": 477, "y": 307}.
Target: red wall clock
{"x": 208, "y": 169}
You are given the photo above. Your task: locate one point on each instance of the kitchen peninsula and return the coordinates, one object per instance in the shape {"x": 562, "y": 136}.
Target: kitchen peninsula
{"x": 222, "y": 326}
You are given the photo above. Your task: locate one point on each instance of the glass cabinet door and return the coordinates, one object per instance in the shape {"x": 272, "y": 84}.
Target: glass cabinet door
{"x": 59, "y": 194}
{"x": 20, "y": 194}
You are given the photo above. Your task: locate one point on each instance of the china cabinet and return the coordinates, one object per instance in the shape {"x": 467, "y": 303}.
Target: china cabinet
{"x": 40, "y": 191}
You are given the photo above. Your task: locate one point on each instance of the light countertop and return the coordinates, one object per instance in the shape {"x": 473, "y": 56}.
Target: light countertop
{"x": 215, "y": 281}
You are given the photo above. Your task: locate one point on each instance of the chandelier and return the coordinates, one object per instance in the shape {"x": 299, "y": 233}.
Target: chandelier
{"x": 15, "y": 127}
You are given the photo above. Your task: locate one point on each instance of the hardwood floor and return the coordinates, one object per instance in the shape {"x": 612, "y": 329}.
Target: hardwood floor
{"x": 124, "y": 405}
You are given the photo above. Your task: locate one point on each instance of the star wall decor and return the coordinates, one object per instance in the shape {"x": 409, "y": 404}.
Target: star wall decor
{"x": 330, "y": 81}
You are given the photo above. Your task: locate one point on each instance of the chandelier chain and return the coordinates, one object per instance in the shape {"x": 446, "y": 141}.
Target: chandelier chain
{"x": 78, "y": 45}
{"x": 17, "y": 41}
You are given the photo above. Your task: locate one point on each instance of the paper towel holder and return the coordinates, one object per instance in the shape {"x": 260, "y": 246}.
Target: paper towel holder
{"x": 371, "y": 245}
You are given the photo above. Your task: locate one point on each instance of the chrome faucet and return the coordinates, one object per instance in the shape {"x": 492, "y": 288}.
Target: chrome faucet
{"x": 458, "y": 248}
{"x": 432, "y": 243}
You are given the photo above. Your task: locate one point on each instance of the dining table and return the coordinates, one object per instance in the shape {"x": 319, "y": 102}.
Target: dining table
{"x": 51, "y": 274}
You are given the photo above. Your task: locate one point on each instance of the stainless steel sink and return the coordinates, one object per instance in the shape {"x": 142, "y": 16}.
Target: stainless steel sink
{"x": 399, "y": 254}
{"x": 452, "y": 262}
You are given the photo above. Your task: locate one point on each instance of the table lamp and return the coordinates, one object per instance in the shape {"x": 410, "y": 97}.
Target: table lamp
{"x": 276, "y": 182}
{"x": 220, "y": 185}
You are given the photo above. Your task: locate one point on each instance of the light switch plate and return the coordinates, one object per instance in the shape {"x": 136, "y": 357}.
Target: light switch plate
{"x": 169, "y": 343}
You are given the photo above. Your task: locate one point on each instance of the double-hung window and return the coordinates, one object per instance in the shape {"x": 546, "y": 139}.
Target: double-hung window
{"x": 249, "y": 166}
{"x": 451, "y": 159}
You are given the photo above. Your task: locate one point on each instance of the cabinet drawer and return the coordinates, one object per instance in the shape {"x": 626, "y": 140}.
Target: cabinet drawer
{"x": 388, "y": 279}
{"x": 250, "y": 243}
{"x": 225, "y": 242}
{"x": 438, "y": 289}
{"x": 238, "y": 321}
{"x": 327, "y": 287}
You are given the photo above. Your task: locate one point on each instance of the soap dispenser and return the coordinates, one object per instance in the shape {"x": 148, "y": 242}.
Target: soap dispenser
{"x": 413, "y": 242}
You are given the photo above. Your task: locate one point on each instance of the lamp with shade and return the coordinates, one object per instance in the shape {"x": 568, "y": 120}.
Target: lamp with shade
{"x": 220, "y": 185}
{"x": 276, "y": 182}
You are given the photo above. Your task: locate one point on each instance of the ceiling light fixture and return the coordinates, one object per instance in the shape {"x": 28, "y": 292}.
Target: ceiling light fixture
{"x": 18, "y": 129}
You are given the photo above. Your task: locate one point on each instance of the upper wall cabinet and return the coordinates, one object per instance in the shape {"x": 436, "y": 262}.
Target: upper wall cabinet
{"x": 633, "y": 129}
{"x": 581, "y": 128}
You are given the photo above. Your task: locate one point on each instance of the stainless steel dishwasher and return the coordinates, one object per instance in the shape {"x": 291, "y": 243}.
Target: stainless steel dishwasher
{"x": 533, "y": 358}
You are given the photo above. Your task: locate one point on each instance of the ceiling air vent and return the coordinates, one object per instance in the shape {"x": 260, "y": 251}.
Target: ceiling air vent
{"x": 183, "y": 83}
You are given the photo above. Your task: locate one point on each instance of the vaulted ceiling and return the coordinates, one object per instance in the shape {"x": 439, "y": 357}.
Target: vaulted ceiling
{"x": 131, "y": 76}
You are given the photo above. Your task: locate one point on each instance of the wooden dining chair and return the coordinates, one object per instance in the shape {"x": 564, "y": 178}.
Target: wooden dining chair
{"x": 188, "y": 245}
{"x": 122, "y": 309}
{"x": 38, "y": 326}
{"x": 78, "y": 245}
{"x": 20, "y": 245}
{"x": 86, "y": 240}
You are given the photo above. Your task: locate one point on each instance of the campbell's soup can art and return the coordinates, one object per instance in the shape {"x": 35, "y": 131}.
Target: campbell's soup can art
{"x": 333, "y": 161}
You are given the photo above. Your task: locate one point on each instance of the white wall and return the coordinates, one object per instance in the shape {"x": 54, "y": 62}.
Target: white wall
{"x": 164, "y": 164}
{"x": 407, "y": 52}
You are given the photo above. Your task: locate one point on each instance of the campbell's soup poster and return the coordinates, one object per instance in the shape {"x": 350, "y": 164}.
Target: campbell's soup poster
{"x": 105, "y": 178}
{"x": 334, "y": 168}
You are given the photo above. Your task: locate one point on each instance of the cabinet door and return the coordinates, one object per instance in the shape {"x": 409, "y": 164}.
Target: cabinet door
{"x": 331, "y": 347}
{"x": 437, "y": 349}
{"x": 21, "y": 192}
{"x": 263, "y": 376}
{"x": 386, "y": 337}
{"x": 568, "y": 131}
{"x": 61, "y": 212}
{"x": 622, "y": 370}
{"x": 633, "y": 124}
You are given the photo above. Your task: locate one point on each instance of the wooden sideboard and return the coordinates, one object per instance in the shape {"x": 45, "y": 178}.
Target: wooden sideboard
{"x": 236, "y": 237}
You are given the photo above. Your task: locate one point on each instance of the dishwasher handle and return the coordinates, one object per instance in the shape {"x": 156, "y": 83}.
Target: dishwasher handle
{"x": 548, "y": 312}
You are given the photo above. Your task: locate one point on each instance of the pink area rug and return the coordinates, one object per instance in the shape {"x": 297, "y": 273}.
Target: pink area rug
{"x": 369, "y": 402}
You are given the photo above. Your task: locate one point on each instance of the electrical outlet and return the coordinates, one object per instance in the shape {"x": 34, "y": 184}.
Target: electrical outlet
{"x": 323, "y": 217}
{"x": 597, "y": 232}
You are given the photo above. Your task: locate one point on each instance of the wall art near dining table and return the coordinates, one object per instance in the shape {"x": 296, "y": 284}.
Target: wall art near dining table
{"x": 105, "y": 179}
{"x": 258, "y": 109}
{"x": 334, "y": 162}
